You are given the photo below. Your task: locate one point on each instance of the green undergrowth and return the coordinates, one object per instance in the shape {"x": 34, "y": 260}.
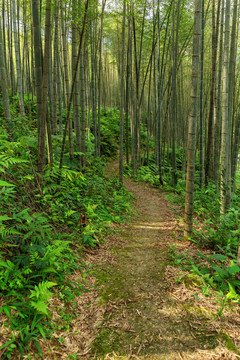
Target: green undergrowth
{"x": 45, "y": 224}
{"x": 212, "y": 274}
{"x": 220, "y": 233}
{"x": 109, "y": 131}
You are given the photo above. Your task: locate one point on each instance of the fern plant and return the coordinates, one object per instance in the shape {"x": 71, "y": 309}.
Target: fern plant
{"x": 40, "y": 295}
{"x": 6, "y": 161}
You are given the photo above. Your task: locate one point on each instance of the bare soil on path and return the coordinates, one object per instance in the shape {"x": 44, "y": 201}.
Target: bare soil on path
{"x": 147, "y": 313}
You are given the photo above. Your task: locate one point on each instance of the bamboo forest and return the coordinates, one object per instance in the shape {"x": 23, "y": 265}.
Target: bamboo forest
{"x": 119, "y": 179}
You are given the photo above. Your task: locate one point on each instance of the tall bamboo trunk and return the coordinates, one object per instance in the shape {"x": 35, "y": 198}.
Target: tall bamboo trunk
{"x": 128, "y": 84}
{"x": 55, "y": 69}
{"x": 3, "y": 85}
{"x": 37, "y": 56}
{"x": 100, "y": 79}
{"x": 17, "y": 59}
{"x": 209, "y": 160}
{"x": 83, "y": 107}
{"x": 93, "y": 84}
{"x": 218, "y": 117}
{"x": 225, "y": 185}
{"x": 232, "y": 85}
{"x": 174, "y": 93}
{"x": 44, "y": 95}
{"x": 201, "y": 117}
{"x": 10, "y": 51}
{"x": 188, "y": 219}
{"x": 122, "y": 92}
{"x": 159, "y": 100}
{"x": 66, "y": 78}
{"x": 76, "y": 113}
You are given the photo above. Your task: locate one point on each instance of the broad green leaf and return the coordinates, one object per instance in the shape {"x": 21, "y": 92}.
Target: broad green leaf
{"x": 38, "y": 348}
{"x": 41, "y": 330}
{"x": 7, "y": 311}
{"x": 6, "y": 344}
{"x": 234, "y": 269}
{"x": 49, "y": 270}
{"x": 4, "y": 218}
{"x": 219, "y": 257}
{"x": 232, "y": 293}
{"x": 4, "y": 183}
{"x": 220, "y": 271}
{"x": 78, "y": 153}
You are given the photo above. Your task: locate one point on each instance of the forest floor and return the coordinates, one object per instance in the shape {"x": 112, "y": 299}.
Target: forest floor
{"x": 138, "y": 305}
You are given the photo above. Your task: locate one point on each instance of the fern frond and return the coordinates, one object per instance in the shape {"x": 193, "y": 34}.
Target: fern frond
{"x": 56, "y": 249}
{"x": 41, "y": 291}
{"x": 6, "y": 231}
{"x": 40, "y": 306}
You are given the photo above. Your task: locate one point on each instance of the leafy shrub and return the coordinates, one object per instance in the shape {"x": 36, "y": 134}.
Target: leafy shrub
{"x": 221, "y": 235}
{"x": 206, "y": 202}
{"x": 110, "y": 121}
{"x": 211, "y": 271}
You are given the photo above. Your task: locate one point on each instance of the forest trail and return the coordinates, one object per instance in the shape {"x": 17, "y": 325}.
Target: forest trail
{"x": 147, "y": 315}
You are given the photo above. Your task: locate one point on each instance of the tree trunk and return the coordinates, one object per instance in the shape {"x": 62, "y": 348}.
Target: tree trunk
{"x": 76, "y": 114}
{"x": 50, "y": 87}
{"x": 10, "y": 52}
{"x": 232, "y": 85}
{"x": 37, "y": 56}
{"x": 129, "y": 65}
{"x": 218, "y": 116}
{"x": 55, "y": 69}
{"x": 17, "y": 58}
{"x": 100, "y": 78}
{"x": 159, "y": 101}
{"x": 59, "y": 97}
{"x": 122, "y": 92}
{"x": 213, "y": 91}
{"x": 174, "y": 93}
{"x": 201, "y": 120}
{"x": 188, "y": 219}
{"x": 66, "y": 78}
{"x": 235, "y": 152}
{"x": 93, "y": 81}
{"x": 43, "y": 114}
{"x": 83, "y": 106}
{"x": 225, "y": 150}
{"x": 4, "y": 86}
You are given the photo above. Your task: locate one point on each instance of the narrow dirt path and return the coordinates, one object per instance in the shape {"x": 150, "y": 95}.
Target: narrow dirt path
{"x": 145, "y": 316}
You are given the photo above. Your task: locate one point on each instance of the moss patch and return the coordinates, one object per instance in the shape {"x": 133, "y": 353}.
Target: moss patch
{"x": 229, "y": 343}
